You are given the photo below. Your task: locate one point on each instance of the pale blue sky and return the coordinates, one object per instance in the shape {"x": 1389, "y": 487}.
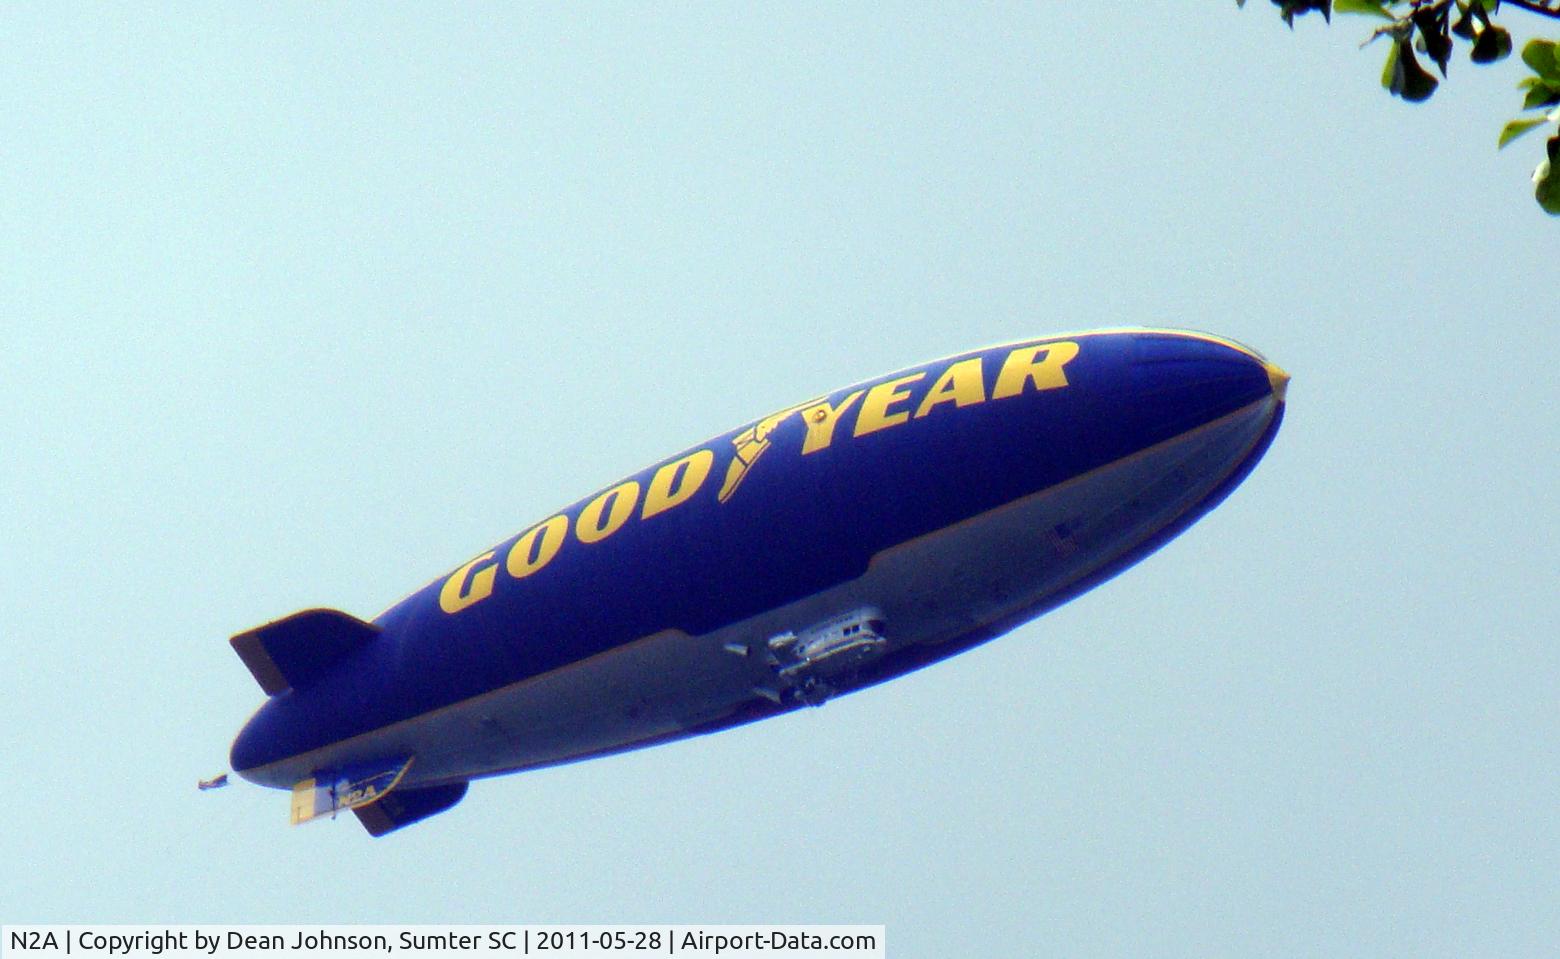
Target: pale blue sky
{"x": 305, "y": 306}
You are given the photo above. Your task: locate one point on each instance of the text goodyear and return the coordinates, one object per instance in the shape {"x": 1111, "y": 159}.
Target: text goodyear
{"x": 883, "y": 406}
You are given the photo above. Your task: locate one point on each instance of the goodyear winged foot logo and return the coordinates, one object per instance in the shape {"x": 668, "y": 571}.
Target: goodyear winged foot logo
{"x": 750, "y": 445}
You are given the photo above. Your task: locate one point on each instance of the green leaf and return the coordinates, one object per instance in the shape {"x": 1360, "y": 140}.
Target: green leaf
{"x": 1404, "y": 77}
{"x": 1433, "y": 37}
{"x": 1540, "y": 56}
{"x": 1518, "y": 127}
{"x": 1546, "y": 187}
{"x": 1289, "y": 9}
{"x": 1374, "y": 8}
{"x": 1464, "y": 27}
{"x": 1390, "y": 71}
{"x": 1541, "y": 94}
{"x": 1493, "y": 45}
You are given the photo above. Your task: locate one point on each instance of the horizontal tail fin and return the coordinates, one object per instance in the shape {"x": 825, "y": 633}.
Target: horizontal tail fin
{"x": 297, "y": 650}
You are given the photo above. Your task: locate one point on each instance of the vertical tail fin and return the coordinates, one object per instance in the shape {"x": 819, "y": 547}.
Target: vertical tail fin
{"x": 298, "y": 649}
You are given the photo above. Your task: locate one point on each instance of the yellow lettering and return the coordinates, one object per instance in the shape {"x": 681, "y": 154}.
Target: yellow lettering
{"x": 962, "y": 384}
{"x": 676, "y": 482}
{"x": 874, "y": 413}
{"x": 1040, "y": 365}
{"x": 820, "y": 419}
{"x": 616, "y": 503}
{"x": 537, "y": 547}
{"x": 458, "y": 593}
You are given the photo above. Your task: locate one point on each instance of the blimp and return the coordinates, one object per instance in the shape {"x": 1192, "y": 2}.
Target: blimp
{"x": 824, "y": 548}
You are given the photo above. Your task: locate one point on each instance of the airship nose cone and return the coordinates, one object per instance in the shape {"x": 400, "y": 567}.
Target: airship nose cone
{"x": 1278, "y": 381}
{"x": 1184, "y": 380}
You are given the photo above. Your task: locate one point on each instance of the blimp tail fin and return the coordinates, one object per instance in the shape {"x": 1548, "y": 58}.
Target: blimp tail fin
{"x": 298, "y": 649}
{"x": 406, "y": 806}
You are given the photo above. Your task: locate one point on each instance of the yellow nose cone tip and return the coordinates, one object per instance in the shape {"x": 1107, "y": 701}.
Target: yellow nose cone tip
{"x": 1278, "y": 380}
